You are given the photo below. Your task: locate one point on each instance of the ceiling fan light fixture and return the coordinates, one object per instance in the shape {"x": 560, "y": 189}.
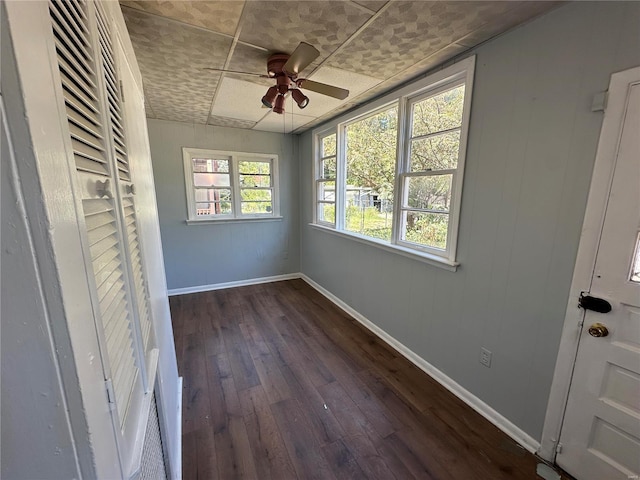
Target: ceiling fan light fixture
{"x": 301, "y": 99}
{"x": 270, "y": 96}
{"x": 279, "y": 106}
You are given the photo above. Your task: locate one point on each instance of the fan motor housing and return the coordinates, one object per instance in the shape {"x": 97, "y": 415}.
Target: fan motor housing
{"x": 275, "y": 64}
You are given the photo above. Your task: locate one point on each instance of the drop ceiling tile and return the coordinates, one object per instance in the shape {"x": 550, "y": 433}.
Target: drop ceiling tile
{"x": 280, "y": 26}
{"x": 230, "y": 122}
{"x": 285, "y": 123}
{"x": 172, "y": 59}
{"x": 165, "y": 107}
{"x": 239, "y": 99}
{"x": 252, "y": 60}
{"x": 354, "y": 82}
{"x": 219, "y": 16}
{"x": 373, "y": 5}
{"x": 407, "y": 31}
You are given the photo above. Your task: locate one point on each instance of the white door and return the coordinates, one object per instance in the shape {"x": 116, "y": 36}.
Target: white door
{"x": 600, "y": 437}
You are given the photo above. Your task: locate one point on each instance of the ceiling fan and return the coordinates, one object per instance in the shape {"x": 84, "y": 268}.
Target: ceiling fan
{"x": 284, "y": 68}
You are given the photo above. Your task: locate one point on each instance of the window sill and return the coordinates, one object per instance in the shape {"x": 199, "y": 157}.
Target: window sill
{"x": 209, "y": 221}
{"x": 424, "y": 257}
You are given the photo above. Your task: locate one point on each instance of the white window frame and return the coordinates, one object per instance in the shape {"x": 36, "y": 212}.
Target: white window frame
{"x": 234, "y": 158}
{"x": 460, "y": 73}
{"x": 319, "y": 179}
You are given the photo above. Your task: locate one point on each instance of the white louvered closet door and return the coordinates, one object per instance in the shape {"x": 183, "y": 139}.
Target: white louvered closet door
{"x": 126, "y": 188}
{"x": 93, "y": 103}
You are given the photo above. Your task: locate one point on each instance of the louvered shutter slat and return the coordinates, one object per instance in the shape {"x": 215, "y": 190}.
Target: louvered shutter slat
{"x": 76, "y": 13}
{"x": 68, "y": 38}
{"x": 82, "y": 122}
{"x": 108, "y": 260}
{"x": 78, "y": 95}
{"x": 107, "y": 271}
{"x": 113, "y": 304}
{"x": 108, "y": 289}
{"x": 136, "y": 264}
{"x": 78, "y": 77}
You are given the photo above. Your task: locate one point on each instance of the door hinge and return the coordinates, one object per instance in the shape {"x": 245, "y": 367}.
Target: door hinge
{"x": 111, "y": 396}
{"x": 121, "y": 92}
{"x": 599, "y": 102}
{"x": 558, "y": 448}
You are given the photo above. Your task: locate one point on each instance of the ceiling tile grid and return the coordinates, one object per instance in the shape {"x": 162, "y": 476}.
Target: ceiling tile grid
{"x": 172, "y": 58}
{"x": 365, "y": 46}
{"x": 280, "y": 26}
{"x": 220, "y": 17}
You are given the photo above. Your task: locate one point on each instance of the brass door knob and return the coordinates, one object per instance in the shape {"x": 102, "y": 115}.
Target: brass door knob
{"x": 598, "y": 330}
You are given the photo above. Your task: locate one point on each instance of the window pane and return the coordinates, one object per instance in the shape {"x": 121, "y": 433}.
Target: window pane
{"x": 256, "y": 207}
{"x": 255, "y": 174}
{"x": 438, "y": 113}
{"x": 213, "y": 208}
{"x": 439, "y": 152}
{"x": 430, "y": 192}
{"x": 327, "y": 212}
{"x": 328, "y": 168}
{"x": 211, "y": 179}
{"x": 635, "y": 267}
{"x": 328, "y": 146}
{"x": 327, "y": 191}
{"x": 209, "y": 165}
{"x": 429, "y": 229}
{"x": 253, "y": 195}
{"x": 371, "y": 163}
{"x": 212, "y": 195}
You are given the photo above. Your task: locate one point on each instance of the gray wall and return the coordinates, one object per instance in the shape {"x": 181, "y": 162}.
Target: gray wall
{"x": 196, "y": 255}
{"x": 531, "y": 151}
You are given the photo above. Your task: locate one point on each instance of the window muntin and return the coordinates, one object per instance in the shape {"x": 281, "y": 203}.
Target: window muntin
{"x": 326, "y": 180}
{"x": 431, "y": 126}
{"x": 230, "y": 185}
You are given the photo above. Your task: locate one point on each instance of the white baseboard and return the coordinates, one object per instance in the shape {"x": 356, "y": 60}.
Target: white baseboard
{"x": 522, "y": 438}
{"x": 239, "y": 283}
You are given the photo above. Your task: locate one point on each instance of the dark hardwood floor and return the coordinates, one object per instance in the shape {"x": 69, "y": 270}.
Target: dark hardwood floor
{"x": 281, "y": 384}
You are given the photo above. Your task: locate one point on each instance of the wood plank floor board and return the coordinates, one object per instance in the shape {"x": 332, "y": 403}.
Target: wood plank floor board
{"x": 270, "y": 455}
{"x": 195, "y": 394}
{"x": 373, "y": 463}
{"x": 279, "y": 383}
{"x": 207, "y": 462}
{"x": 303, "y": 447}
{"x": 326, "y": 427}
{"x": 343, "y": 463}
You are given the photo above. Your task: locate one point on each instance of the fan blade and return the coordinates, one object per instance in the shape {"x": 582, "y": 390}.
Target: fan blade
{"x": 323, "y": 88}
{"x": 301, "y": 57}
{"x": 239, "y": 73}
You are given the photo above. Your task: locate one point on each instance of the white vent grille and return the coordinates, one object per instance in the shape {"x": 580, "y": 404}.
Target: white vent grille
{"x": 114, "y": 99}
{"x": 152, "y": 467}
{"x": 77, "y": 71}
{"x": 136, "y": 266}
{"x": 108, "y": 270}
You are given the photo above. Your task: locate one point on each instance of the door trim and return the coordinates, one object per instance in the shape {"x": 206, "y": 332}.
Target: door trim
{"x": 603, "y": 169}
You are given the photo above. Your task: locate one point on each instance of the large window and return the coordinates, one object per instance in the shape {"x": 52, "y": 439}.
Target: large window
{"x": 230, "y": 185}
{"x": 393, "y": 174}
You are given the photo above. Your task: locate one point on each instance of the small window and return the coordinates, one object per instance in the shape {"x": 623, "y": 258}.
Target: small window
{"x": 230, "y": 185}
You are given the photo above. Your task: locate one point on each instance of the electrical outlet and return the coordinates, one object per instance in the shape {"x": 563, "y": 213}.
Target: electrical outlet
{"x": 485, "y": 357}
